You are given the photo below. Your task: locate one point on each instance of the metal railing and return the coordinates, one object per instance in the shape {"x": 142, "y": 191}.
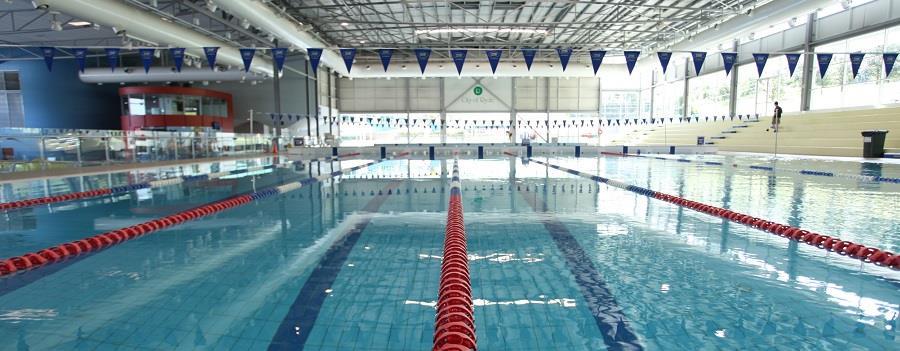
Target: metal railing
{"x": 27, "y": 149}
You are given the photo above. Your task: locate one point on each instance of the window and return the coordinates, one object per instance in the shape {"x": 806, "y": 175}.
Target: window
{"x": 619, "y": 104}
{"x": 12, "y": 112}
{"x": 709, "y": 95}
{"x": 477, "y": 127}
{"x": 188, "y": 105}
{"x": 757, "y": 94}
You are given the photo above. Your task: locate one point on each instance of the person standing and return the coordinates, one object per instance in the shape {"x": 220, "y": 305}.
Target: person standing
{"x": 776, "y": 118}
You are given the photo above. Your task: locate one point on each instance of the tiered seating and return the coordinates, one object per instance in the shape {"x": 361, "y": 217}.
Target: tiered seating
{"x": 825, "y": 133}
{"x": 684, "y": 133}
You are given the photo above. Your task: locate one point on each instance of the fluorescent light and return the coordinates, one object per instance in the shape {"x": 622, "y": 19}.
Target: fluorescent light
{"x": 79, "y": 23}
{"x": 481, "y": 30}
{"x": 345, "y": 24}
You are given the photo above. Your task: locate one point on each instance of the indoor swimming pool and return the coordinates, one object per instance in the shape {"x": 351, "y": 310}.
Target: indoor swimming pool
{"x": 346, "y": 255}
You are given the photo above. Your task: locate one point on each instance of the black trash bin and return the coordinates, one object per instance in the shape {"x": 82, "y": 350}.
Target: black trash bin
{"x": 873, "y": 143}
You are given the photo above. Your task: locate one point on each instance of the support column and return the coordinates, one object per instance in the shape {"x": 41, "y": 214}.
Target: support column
{"x": 330, "y": 105}
{"x": 407, "y": 103}
{"x": 443, "y": 121}
{"x": 276, "y": 84}
{"x": 512, "y": 111}
{"x": 808, "y": 63}
{"x": 653, "y": 82}
{"x": 732, "y": 93}
{"x": 547, "y": 106}
{"x": 687, "y": 64}
{"x": 314, "y": 81}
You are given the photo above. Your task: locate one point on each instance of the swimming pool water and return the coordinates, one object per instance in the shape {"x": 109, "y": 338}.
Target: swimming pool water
{"x": 557, "y": 262}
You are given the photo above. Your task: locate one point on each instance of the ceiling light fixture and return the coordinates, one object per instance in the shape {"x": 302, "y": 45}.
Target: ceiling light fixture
{"x": 345, "y": 24}
{"x": 79, "y": 23}
{"x": 481, "y": 30}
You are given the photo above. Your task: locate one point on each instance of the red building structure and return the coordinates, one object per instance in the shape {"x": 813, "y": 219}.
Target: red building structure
{"x": 163, "y": 107}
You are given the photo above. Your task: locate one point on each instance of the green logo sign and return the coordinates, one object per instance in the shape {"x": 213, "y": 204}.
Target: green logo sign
{"x": 478, "y": 90}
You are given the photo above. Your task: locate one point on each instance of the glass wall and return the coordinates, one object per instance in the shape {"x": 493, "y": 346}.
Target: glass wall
{"x": 478, "y": 128}
{"x": 839, "y": 89}
{"x": 165, "y": 104}
{"x": 709, "y": 95}
{"x": 757, "y": 95}
{"x": 389, "y": 128}
{"x": 619, "y": 104}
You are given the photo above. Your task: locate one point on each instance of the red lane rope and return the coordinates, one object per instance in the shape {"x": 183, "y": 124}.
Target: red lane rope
{"x": 454, "y": 324}
{"x": 54, "y": 199}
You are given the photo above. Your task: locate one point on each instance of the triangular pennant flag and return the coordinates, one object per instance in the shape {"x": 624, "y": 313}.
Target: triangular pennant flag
{"x": 564, "y": 55}
{"x": 889, "y": 59}
{"x": 793, "y": 60}
{"x": 698, "y": 58}
{"x": 493, "y": 57}
{"x": 315, "y": 56}
{"x": 728, "y": 60}
{"x": 348, "y": 55}
{"x": 597, "y": 59}
{"x": 528, "y": 55}
{"x": 631, "y": 58}
{"x": 824, "y": 60}
{"x": 247, "y": 57}
{"x": 459, "y": 59}
{"x": 80, "y": 58}
{"x": 856, "y": 60}
{"x": 664, "y": 58}
{"x": 112, "y": 56}
{"x": 422, "y": 55}
{"x": 279, "y": 55}
{"x": 177, "y": 57}
{"x": 760, "y": 60}
{"x": 211, "y": 53}
{"x": 385, "y": 56}
{"x": 146, "y": 58}
{"x": 48, "y": 53}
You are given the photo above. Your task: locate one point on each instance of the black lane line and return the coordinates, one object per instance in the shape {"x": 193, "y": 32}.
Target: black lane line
{"x": 610, "y": 319}
{"x": 301, "y": 317}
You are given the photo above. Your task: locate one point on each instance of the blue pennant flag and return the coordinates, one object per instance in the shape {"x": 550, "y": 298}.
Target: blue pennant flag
{"x": 147, "y": 58}
{"x": 385, "y": 55}
{"x": 793, "y": 60}
{"x": 824, "y": 60}
{"x": 422, "y": 55}
{"x": 247, "y": 56}
{"x": 49, "y": 53}
{"x": 177, "y": 57}
{"x": 597, "y": 59}
{"x": 564, "y": 55}
{"x": 728, "y": 60}
{"x": 760, "y": 60}
{"x": 112, "y": 56}
{"x": 348, "y": 55}
{"x": 459, "y": 59}
{"x": 856, "y": 60}
{"x": 494, "y": 59}
{"x": 279, "y": 55}
{"x": 889, "y": 59}
{"x": 528, "y": 55}
{"x": 80, "y": 58}
{"x": 315, "y": 55}
{"x": 698, "y": 58}
{"x": 211, "y": 52}
{"x": 631, "y": 58}
{"x": 664, "y": 58}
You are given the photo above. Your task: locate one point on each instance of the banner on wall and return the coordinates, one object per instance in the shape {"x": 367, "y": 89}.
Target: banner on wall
{"x": 760, "y": 60}
{"x": 728, "y": 60}
{"x": 211, "y": 53}
{"x": 597, "y": 59}
{"x": 824, "y": 60}
{"x": 279, "y": 55}
{"x": 528, "y": 55}
{"x": 385, "y": 56}
{"x": 112, "y": 56}
{"x": 315, "y": 56}
{"x": 698, "y": 57}
{"x": 631, "y": 58}
{"x": 146, "y": 58}
{"x": 48, "y": 53}
{"x": 459, "y": 59}
{"x": 664, "y": 58}
{"x": 889, "y": 60}
{"x": 177, "y": 57}
{"x": 247, "y": 57}
{"x": 422, "y": 55}
{"x": 856, "y": 60}
{"x": 792, "y": 60}
{"x": 564, "y": 55}
{"x": 348, "y": 55}
{"x": 80, "y": 58}
{"x": 493, "y": 57}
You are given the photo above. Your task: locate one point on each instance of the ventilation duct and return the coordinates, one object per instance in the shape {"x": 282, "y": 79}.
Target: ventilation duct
{"x": 164, "y": 74}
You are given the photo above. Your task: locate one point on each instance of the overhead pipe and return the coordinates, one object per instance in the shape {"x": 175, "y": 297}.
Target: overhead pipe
{"x": 165, "y": 74}
{"x": 264, "y": 17}
{"x": 146, "y": 26}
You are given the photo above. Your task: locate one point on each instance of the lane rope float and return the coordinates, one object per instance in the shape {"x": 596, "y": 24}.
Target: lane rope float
{"x": 454, "y": 323}
{"x": 83, "y": 195}
{"x": 105, "y": 240}
{"x": 826, "y": 242}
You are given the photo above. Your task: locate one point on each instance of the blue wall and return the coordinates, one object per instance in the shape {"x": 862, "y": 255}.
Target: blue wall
{"x": 59, "y": 100}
